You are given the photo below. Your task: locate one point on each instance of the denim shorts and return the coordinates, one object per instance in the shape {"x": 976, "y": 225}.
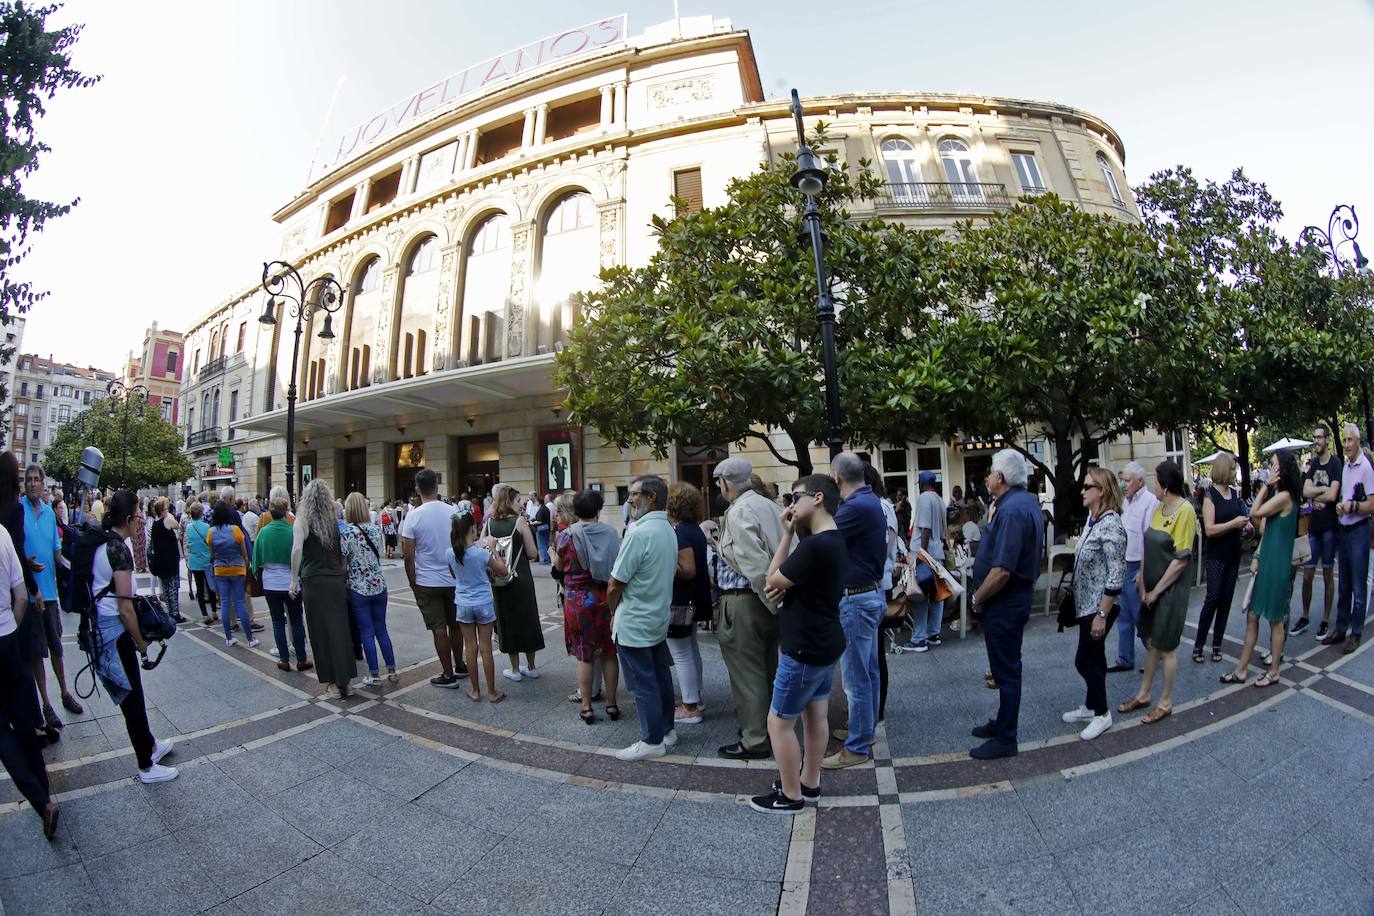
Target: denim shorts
{"x": 797, "y": 684}
{"x": 1323, "y": 549}
{"x": 476, "y": 613}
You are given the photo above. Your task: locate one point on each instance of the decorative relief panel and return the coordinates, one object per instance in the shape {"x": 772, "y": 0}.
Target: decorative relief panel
{"x": 382, "y": 343}
{"x": 519, "y": 290}
{"x": 448, "y": 267}
{"x": 682, "y": 92}
{"x": 610, "y": 236}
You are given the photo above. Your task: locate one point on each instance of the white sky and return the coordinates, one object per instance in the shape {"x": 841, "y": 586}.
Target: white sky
{"x": 207, "y": 118}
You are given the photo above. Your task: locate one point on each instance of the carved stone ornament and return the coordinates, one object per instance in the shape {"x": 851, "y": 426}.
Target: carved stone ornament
{"x": 515, "y": 306}
{"x": 444, "y": 308}
{"x": 393, "y": 237}
{"x": 682, "y": 92}
{"x": 524, "y": 193}
{"x": 610, "y": 236}
{"x": 608, "y": 170}
{"x": 293, "y": 240}
{"x": 453, "y": 211}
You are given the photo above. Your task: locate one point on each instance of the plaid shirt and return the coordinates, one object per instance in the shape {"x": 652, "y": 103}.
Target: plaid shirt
{"x": 725, "y": 577}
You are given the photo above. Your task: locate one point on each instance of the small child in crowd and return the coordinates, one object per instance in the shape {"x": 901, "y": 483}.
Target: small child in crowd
{"x": 472, "y": 595}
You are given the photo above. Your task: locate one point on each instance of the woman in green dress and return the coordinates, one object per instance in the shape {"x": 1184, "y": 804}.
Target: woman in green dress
{"x": 1163, "y": 586}
{"x": 517, "y": 611}
{"x": 1278, "y": 504}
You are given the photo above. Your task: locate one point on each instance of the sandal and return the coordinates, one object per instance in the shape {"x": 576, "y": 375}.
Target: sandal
{"x": 474, "y": 696}
{"x": 1266, "y": 680}
{"x": 613, "y": 713}
{"x": 587, "y": 715}
{"x": 1231, "y": 677}
{"x": 1216, "y": 655}
{"x": 1132, "y": 705}
{"x": 989, "y": 681}
{"x": 1198, "y": 656}
{"x": 1158, "y": 714}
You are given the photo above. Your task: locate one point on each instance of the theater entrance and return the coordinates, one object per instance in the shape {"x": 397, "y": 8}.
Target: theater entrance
{"x": 410, "y": 459}
{"x": 479, "y": 465}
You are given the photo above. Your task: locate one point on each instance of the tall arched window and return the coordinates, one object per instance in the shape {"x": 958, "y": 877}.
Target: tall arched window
{"x": 223, "y": 338}
{"x": 214, "y": 417}
{"x": 568, "y": 264}
{"x": 214, "y": 344}
{"x": 419, "y": 296}
{"x": 486, "y": 287}
{"x": 362, "y": 325}
{"x": 1109, "y": 177}
{"x": 901, "y": 166}
{"x": 960, "y": 172}
{"x": 310, "y": 378}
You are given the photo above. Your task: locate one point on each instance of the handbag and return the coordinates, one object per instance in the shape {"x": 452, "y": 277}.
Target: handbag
{"x": 681, "y": 615}
{"x": 1068, "y": 611}
{"x": 508, "y": 548}
{"x": 1302, "y": 551}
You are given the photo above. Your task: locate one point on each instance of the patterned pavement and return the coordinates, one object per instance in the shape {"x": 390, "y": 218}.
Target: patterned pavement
{"x": 414, "y": 799}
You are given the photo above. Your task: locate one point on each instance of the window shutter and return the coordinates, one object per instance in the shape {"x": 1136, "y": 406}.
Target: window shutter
{"x": 687, "y": 186}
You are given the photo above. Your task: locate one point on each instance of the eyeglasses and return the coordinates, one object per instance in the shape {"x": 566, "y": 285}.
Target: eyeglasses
{"x": 1092, "y": 486}
{"x": 636, "y": 494}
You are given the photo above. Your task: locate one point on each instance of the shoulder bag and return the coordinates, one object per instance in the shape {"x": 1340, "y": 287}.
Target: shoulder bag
{"x": 508, "y": 548}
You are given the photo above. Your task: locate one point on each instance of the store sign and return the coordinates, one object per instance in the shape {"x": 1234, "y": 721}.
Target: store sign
{"x": 226, "y": 459}
{"x": 522, "y": 61}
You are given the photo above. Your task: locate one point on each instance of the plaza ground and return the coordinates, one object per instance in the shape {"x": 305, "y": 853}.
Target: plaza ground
{"x": 414, "y": 799}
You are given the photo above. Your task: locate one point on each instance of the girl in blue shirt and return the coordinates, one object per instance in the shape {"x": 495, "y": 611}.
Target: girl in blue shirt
{"x": 469, "y": 564}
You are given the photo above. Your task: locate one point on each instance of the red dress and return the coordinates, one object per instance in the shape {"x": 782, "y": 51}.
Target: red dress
{"x": 586, "y": 618}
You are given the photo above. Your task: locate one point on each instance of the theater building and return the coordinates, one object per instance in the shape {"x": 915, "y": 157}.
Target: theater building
{"x": 461, "y": 222}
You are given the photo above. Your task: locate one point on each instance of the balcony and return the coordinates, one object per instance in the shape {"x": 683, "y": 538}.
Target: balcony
{"x": 219, "y": 365}
{"x": 202, "y": 438}
{"x": 944, "y": 195}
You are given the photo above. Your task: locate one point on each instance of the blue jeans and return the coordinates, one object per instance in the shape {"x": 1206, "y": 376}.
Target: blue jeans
{"x": 1003, "y": 626}
{"x": 282, "y": 606}
{"x": 369, "y": 612}
{"x": 541, "y": 541}
{"x": 859, "y": 618}
{"x": 646, "y": 674}
{"x": 231, "y": 595}
{"x": 1323, "y": 544}
{"x": 797, "y": 684}
{"x": 1127, "y": 626}
{"x": 1352, "y": 552}
{"x": 926, "y": 616}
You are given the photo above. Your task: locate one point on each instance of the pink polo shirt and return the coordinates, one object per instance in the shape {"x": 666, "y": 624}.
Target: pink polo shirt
{"x": 1352, "y": 474}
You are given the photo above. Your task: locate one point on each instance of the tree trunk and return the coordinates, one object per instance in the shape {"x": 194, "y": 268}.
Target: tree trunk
{"x": 802, "y": 449}
{"x": 1068, "y": 494}
{"x": 1243, "y": 455}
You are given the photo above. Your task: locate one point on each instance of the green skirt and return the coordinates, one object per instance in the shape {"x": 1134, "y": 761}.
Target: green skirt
{"x": 1163, "y": 621}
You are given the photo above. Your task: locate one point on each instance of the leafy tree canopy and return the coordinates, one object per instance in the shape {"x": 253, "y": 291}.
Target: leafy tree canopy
{"x": 153, "y": 455}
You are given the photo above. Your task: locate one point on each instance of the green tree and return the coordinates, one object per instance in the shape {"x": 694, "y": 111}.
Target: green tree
{"x": 1074, "y": 320}
{"x": 34, "y": 64}
{"x": 153, "y": 455}
{"x": 1285, "y": 343}
{"x": 716, "y": 339}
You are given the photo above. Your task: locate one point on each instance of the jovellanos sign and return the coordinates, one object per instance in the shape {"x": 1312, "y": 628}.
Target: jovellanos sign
{"x": 522, "y": 61}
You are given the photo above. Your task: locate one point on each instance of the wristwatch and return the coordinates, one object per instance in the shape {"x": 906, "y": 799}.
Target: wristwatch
{"x": 1100, "y": 614}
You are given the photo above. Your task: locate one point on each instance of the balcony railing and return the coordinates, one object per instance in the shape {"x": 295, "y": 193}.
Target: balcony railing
{"x": 944, "y": 195}
{"x": 202, "y": 437}
{"x": 221, "y": 364}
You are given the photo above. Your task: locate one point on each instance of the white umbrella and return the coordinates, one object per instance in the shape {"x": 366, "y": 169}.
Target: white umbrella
{"x": 1210, "y": 458}
{"x": 1286, "y": 443}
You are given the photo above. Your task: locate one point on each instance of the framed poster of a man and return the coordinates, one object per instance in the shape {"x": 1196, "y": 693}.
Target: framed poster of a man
{"x": 561, "y": 464}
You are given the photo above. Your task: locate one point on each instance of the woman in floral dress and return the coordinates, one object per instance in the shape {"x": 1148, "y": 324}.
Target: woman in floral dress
{"x": 586, "y": 553}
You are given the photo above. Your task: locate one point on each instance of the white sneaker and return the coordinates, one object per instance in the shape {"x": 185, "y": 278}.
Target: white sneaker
{"x": 640, "y": 751}
{"x": 671, "y": 738}
{"x": 157, "y": 773}
{"x": 511, "y": 675}
{"x": 682, "y": 717}
{"x": 532, "y": 673}
{"x": 161, "y": 749}
{"x": 370, "y": 681}
{"x": 254, "y": 643}
{"x": 230, "y": 643}
{"x": 1081, "y": 714}
{"x": 1097, "y": 726}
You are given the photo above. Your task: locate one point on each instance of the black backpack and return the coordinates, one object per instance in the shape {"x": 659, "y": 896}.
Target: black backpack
{"x": 82, "y": 601}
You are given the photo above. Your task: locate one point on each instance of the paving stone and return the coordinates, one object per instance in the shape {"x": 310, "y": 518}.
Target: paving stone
{"x": 857, "y": 897}
{"x": 271, "y": 768}
{"x": 496, "y": 799}
{"x": 725, "y": 840}
{"x": 1152, "y": 872}
{"x": 125, "y": 881}
{"x": 244, "y": 849}
{"x": 415, "y": 850}
{"x": 338, "y": 742}
{"x": 403, "y": 768}
{"x": 25, "y": 850}
{"x": 200, "y": 793}
{"x": 607, "y": 826}
{"x": 107, "y": 822}
{"x": 1323, "y": 884}
{"x": 65, "y": 891}
{"x": 560, "y": 881}
{"x": 1082, "y": 810}
{"x": 954, "y": 834}
{"x": 327, "y": 884}
{"x": 690, "y": 893}
{"x": 1032, "y": 886}
{"x": 330, "y": 807}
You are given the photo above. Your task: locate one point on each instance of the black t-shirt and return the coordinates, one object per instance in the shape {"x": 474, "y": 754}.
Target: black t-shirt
{"x": 809, "y": 621}
{"x": 695, "y": 592}
{"x": 1225, "y": 508}
{"x": 1324, "y": 475}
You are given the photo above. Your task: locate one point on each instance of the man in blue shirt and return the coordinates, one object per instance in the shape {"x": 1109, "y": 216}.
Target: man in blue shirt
{"x": 1004, "y": 573}
{"x": 861, "y": 520}
{"x": 43, "y": 545}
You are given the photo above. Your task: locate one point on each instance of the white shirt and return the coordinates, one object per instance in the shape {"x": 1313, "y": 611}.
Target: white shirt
{"x": 1136, "y": 517}
{"x": 531, "y": 509}
{"x": 11, "y": 572}
{"x": 429, "y": 526}
{"x": 250, "y": 523}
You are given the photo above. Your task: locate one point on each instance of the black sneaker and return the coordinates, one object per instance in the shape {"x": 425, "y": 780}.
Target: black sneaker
{"x": 935, "y": 640}
{"x": 460, "y": 670}
{"x": 450, "y": 681}
{"x": 1300, "y": 627}
{"x": 1321, "y": 630}
{"x": 776, "y": 803}
{"x": 257, "y": 627}
{"x": 808, "y": 794}
{"x": 987, "y": 730}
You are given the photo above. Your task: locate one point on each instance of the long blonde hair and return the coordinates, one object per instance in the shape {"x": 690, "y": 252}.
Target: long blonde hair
{"x": 356, "y": 511}
{"x": 503, "y": 501}
{"x": 316, "y": 511}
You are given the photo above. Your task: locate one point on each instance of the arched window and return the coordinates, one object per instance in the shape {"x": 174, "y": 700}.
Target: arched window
{"x": 311, "y": 377}
{"x": 568, "y": 264}
{"x": 419, "y": 298}
{"x": 901, "y": 166}
{"x": 362, "y": 325}
{"x": 369, "y": 278}
{"x": 960, "y": 172}
{"x": 214, "y": 343}
{"x": 486, "y": 287}
{"x": 205, "y": 410}
{"x": 1109, "y": 177}
{"x": 424, "y": 257}
{"x": 223, "y": 338}
{"x": 214, "y": 418}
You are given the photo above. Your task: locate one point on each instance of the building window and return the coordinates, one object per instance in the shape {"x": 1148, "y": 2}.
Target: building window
{"x": 33, "y": 456}
{"x": 1175, "y": 446}
{"x": 424, "y": 257}
{"x": 167, "y": 410}
{"x": 171, "y": 362}
{"x": 35, "y": 435}
{"x": 86, "y": 397}
{"x": 195, "y": 362}
{"x": 64, "y": 413}
{"x": 486, "y": 286}
{"x": 214, "y": 415}
{"x": 569, "y": 263}
{"x": 957, "y": 162}
{"x": 383, "y": 191}
{"x": 339, "y": 212}
{"x": 233, "y": 406}
{"x": 21, "y": 410}
{"x": 580, "y": 117}
{"x": 1028, "y": 173}
{"x": 687, "y": 190}
{"x": 1108, "y": 177}
{"x": 23, "y": 389}
{"x": 371, "y": 277}
{"x": 40, "y": 391}
{"x": 191, "y": 420}
{"x": 436, "y": 166}
{"x": 243, "y": 335}
{"x": 499, "y": 142}
{"x": 900, "y": 166}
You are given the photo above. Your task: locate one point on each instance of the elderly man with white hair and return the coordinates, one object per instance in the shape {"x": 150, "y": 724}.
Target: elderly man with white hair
{"x": 748, "y": 624}
{"x": 1137, "y": 509}
{"x": 1004, "y": 573}
{"x": 1352, "y": 542}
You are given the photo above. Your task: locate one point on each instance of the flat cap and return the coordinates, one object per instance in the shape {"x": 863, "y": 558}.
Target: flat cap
{"x": 735, "y": 470}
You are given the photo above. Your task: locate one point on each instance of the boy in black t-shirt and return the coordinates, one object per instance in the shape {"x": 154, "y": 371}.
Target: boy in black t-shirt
{"x": 806, "y": 584}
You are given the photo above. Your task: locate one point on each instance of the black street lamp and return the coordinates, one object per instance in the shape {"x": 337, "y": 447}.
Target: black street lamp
{"x": 320, "y": 294}
{"x": 1343, "y": 227}
{"x": 121, "y": 396}
{"x": 810, "y": 178}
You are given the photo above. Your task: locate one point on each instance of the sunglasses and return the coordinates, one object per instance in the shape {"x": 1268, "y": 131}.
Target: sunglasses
{"x": 1092, "y": 486}
{"x": 802, "y": 494}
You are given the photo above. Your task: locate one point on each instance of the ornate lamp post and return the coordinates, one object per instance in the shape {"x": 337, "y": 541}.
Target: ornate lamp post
{"x": 1342, "y": 227}
{"x": 810, "y": 178}
{"x": 320, "y": 294}
{"x": 121, "y": 396}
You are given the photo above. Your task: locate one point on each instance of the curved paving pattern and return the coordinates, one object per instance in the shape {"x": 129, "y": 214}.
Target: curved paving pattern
{"x": 912, "y": 825}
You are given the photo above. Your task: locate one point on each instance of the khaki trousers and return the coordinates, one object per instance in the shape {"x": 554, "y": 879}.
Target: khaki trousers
{"x": 748, "y": 634}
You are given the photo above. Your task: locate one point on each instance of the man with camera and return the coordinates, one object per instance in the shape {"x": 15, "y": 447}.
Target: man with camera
{"x": 1352, "y": 542}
